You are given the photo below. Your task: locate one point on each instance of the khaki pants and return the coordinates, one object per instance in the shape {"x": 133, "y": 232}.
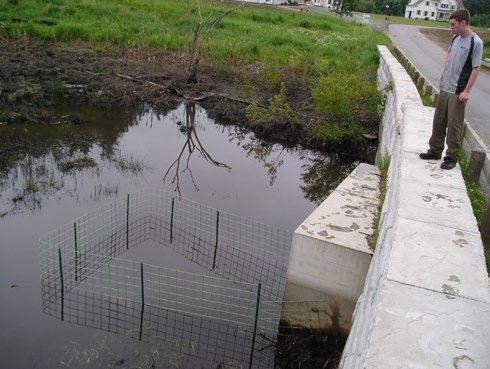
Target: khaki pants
{"x": 449, "y": 115}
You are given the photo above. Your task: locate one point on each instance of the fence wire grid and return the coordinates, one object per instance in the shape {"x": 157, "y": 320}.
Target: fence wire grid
{"x": 232, "y": 316}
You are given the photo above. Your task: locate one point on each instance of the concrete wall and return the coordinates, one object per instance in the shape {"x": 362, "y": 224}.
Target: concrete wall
{"x": 425, "y": 303}
{"x": 330, "y": 255}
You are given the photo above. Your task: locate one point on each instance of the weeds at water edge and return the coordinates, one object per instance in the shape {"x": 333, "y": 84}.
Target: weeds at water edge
{"x": 383, "y": 166}
{"x": 477, "y": 197}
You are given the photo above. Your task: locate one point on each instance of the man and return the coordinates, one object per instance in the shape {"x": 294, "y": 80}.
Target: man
{"x": 463, "y": 60}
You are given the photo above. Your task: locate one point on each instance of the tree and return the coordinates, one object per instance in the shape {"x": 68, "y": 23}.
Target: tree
{"x": 366, "y": 6}
{"x": 480, "y": 12}
{"x": 198, "y": 26}
{"x": 395, "y": 7}
{"x": 192, "y": 144}
{"x": 475, "y": 7}
{"x": 345, "y": 7}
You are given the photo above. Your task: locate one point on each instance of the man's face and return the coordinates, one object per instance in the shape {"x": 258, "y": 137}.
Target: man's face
{"x": 456, "y": 26}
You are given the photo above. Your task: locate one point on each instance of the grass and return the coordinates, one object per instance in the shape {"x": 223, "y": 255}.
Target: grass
{"x": 426, "y": 100}
{"x": 416, "y": 22}
{"x": 312, "y": 48}
{"x": 384, "y": 166}
{"x": 477, "y": 197}
{"x": 250, "y": 33}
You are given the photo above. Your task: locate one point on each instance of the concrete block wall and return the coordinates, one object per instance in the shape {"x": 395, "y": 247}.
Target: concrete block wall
{"x": 425, "y": 303}
{"x": 330, "y": 255}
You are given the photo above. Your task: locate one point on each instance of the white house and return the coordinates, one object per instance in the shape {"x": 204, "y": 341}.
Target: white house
{"x": 324, "y": 3}
{"x": 432, "y": 9}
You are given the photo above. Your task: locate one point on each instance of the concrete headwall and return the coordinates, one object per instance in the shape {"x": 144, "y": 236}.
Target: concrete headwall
{"x": 330, "y": 255}
{"x": 425, "y": 303}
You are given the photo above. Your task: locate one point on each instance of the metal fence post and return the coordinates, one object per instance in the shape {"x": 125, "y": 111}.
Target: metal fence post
{"x": 62, "y": 287}
{"x": 216, "y": 245}
{"x": 127, "y": 223}
{"x": 76, "y": 250}
{"x": 172, "y": 221}
{"x": 255, "y": 326}
{"x": 142, "y": 300}
{"x": 477, "y": 160}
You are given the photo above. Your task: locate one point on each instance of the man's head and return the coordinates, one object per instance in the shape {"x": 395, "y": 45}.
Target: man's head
{"x": 459, "y": 21}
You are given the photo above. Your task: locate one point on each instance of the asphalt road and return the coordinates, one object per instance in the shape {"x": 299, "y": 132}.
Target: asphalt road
{"x": 428, "y": 57}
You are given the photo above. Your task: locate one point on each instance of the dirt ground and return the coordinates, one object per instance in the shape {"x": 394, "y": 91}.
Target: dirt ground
{"x": 443, "y": 37}
{"x": 37, "y": 73}
{"x": 99, "y": 76}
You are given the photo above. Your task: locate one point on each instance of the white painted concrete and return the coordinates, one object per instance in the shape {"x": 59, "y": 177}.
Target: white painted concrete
{"x": 420, "y": 329}
{"x": 472, "y": 141}
{"x": 425, "y": 303}
{"x": 330, "y": 254}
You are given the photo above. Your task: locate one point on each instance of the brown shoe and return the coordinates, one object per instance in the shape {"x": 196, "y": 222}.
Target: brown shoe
{"x": 448, "y": 163}
{"x": 430, "y": 155}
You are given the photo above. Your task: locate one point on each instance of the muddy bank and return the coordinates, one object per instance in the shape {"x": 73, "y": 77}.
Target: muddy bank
{"x": 305, "y": 348}
{"x": 36, "y": 74}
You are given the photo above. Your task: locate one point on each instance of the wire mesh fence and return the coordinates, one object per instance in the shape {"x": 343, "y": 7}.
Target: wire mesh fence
{"x": 230, "y": 316}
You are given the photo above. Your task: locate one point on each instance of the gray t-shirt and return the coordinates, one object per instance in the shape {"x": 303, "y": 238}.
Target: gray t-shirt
{"x": 459, "y": 64}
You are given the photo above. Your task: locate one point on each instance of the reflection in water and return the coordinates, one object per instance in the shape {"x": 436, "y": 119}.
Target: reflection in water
{"x": 191, "y": 144}
{"x": 322, "y": 175}
{"x": 270, "y": 155}
{"x": 39, "y": 162}
{"x": 53, "y": 172}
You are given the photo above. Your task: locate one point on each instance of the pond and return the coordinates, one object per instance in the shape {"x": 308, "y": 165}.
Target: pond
{"x": 53, "y": 173}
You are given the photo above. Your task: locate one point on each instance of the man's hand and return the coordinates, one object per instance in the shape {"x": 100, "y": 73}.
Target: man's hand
{"x": 464, "y": 96}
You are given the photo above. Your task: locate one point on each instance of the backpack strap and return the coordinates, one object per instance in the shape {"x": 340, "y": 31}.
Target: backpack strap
{"x": 452, "y": 41}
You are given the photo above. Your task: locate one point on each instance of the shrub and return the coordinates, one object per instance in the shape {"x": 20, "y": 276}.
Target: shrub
{"x": 336, "y": 132}
{"x": 270, "y": 76}
{"x": 344, "y": 96}
{"x": 278, "y": 111}
{"x": 481, "y": 20}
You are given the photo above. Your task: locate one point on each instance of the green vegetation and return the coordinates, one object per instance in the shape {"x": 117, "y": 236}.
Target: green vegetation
{"x": 386, "y": 7}
{"x": 249, "y": 34}
{"x": 402, "y": 20}
{"x": 477, "y": 197}
{"x": 426, "y": 100}
{"x": 278, "y": 110}
{"x": 384, "y": 166}
{"x": 332, "y": 63}
{"x": 486, "y": 48}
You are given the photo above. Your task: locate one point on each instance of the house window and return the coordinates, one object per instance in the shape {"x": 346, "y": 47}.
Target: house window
{"x": 432, "y": 14}
{"x": 452, "y": 6}
{"x": 425, "y": 13}
{"x": 427, "y": 3}
{"x": 418, "y": 12}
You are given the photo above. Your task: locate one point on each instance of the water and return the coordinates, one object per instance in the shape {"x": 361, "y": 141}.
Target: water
{"x": 55, "y": 173}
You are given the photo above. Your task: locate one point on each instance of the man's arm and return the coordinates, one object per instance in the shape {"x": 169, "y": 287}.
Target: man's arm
{"x": 465, "y": 95}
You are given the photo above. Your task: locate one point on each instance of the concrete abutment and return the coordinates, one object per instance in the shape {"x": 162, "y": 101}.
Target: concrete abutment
{"x": 424, "y": 300}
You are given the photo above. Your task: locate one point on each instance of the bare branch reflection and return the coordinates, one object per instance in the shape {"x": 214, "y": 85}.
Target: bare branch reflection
{"x": 192, "y": 144}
